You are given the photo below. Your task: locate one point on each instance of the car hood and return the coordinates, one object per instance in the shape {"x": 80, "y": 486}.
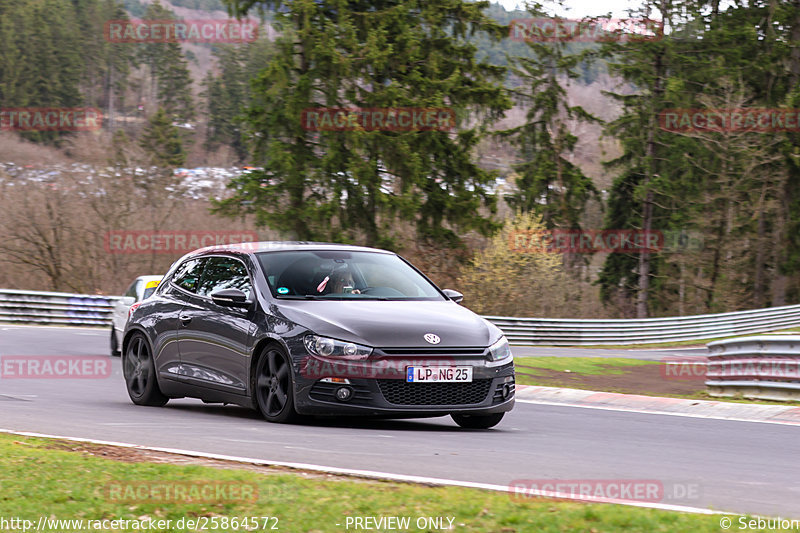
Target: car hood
{"x": 392, "y": 323}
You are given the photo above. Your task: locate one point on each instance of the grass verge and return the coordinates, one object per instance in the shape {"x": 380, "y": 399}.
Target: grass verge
{"x": 594, "y": 366}
{"x": 59, "y": 480}
{"x": 624, "y": 376}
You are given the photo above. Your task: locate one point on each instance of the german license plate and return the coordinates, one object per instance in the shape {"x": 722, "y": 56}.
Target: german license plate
{"x": 439, "y": 374}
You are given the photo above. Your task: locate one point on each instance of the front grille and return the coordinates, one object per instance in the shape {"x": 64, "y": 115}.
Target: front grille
{"x": 424, "y": 351}
{"x": 325, "y": 392}
{"x": 399, "y": 392}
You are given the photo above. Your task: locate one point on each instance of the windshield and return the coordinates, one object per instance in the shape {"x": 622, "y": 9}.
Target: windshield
{"x": 148, "y": 292}
{"x": 341, "y": 275}
{"x": 150, "y": 288}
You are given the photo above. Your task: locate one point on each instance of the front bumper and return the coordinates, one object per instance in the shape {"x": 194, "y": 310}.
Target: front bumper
{"x": 491, "y": 391}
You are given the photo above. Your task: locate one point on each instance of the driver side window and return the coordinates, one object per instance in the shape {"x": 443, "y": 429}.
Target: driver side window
{"x": 224, "y": 273}
{"x": 187, "y": 277}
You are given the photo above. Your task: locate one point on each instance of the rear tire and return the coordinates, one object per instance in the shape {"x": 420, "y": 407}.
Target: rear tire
{"x": 140, "y": 373}
{"x": 114, "y": 345}
{"x": 273, "y": 386}
{"x": 477, "y": 421}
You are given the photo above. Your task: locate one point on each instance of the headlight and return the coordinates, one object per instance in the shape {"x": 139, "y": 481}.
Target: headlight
{"x": 327, "y": 347}
{"x": 500, "y": 350}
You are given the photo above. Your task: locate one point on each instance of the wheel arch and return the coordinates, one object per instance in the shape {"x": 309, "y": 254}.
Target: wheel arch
{"x": 126, "y": 339}
{"x": 260, "y": 345}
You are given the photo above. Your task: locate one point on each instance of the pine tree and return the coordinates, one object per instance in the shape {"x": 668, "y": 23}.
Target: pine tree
{"x": 645, "y": 64}
{"x": 355, "y": 185}
{"x": 171, "y": 81}
{"x": 549, "y": 184}
{"x": 286, "y": 195}
{"x": 227, "y": 93}
{"x": 732, "y": 187}
{"x": 162, "y": 143}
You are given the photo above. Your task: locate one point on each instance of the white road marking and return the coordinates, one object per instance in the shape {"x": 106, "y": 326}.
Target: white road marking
{"x": 17, "y": 397}
{"x": 376, "y": 475}
{"x": 667, "y": 413}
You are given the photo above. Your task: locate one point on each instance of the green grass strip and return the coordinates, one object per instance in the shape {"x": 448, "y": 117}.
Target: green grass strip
{"x": 579, "y": 365}
{"x": 38, "y": 480}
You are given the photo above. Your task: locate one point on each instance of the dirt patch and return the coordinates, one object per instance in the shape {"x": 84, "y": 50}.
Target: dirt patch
{"x": 645, "y": 379}
{"x": 137, "y": 455}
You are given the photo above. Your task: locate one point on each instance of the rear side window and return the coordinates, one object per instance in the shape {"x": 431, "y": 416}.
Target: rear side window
{"x": 187, "y": 277}
{"x": 224, "y": 273}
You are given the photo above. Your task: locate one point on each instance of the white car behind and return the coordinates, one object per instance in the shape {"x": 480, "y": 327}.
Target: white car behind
{"x": 141, "y": 288}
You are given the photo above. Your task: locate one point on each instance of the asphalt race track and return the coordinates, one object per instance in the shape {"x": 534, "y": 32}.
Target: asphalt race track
{"x": 718, "y": 464}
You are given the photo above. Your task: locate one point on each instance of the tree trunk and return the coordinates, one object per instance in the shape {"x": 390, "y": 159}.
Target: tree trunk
{"x": 780, "y": 280}
{"x": 682, "y": 289}
{"x": 111, "y": 98}
{"x": 647, "y": 207}
{"x": 715, "y": 267}
{"x": 644, "y": 260}
{"x": 758, "y": 284}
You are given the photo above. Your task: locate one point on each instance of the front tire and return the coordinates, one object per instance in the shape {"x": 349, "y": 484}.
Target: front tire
{"x": 140, "y": 373}
{"x": 272, "y": 386}
{"x": 477, "y": 421}
{"x": 114, "y": 344}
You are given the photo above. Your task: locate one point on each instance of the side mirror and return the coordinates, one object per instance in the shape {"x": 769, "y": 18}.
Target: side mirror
{"x": 127, "y": 301}
{"x": 230, "y": 298}
{"x": 453, "y": 295}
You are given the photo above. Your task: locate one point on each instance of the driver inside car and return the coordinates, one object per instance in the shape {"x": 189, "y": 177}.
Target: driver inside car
{"x": 340, "y": 281}
{"x": 343, "y": 283}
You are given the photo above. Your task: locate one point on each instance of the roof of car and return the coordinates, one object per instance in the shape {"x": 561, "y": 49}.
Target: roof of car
{"x": 271, "y": 246}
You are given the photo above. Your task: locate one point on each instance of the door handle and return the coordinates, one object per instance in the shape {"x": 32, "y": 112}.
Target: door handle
{"x": 185, "y": 319}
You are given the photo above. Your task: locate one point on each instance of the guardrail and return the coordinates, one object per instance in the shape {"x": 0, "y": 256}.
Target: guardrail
{"x": 86, "y": 310}
{"x": 575, "y": 332}
{"x": 765, "y": 367}
{"x": 34, "y": 307}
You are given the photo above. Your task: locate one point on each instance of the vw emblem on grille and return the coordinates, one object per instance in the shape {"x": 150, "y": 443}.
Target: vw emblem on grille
{"x": 431, "y": 338}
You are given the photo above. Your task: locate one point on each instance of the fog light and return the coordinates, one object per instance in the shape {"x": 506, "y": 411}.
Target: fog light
{"x": 343, "y": 381}
{"x": 343, "y": 394}
{"x": 507, "y": 388}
